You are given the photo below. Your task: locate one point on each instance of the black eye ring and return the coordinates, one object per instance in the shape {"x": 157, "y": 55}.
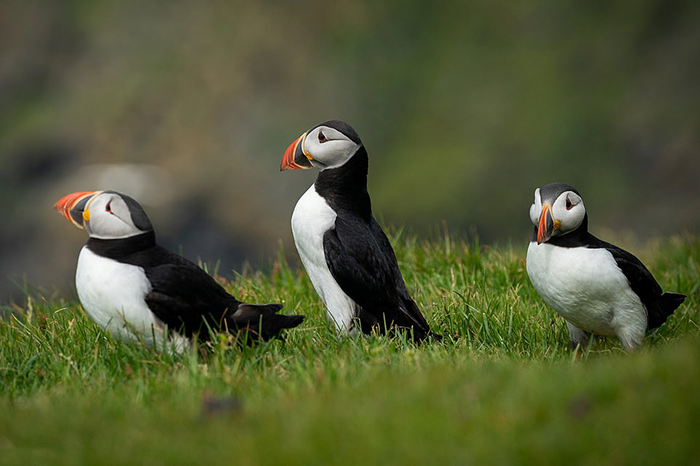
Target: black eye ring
{"x": 108, "y": 207}
{"x": 322, "y": 137}
{"x": 569, "y": 205}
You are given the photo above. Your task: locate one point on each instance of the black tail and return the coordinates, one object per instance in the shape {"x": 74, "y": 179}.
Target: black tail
{"x": 411, "y": 320}
{"x": 671, "y": 301}
{"x": 420, "y": 327}
{"x": 261, "y": 321}
{"x": 667, "y": 303}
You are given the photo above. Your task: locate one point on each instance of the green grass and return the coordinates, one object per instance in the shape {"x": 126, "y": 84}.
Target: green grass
{"x": 503, "y": 388}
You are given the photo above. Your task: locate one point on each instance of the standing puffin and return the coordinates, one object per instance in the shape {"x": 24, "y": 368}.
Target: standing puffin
{"x": 596, "y": 286}
{"x": 344, "y": 250}
{"x": 137, "y": 290}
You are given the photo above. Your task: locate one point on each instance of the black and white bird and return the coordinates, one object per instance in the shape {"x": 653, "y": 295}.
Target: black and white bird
{"x": 596, "y": 286}
{"x": 345, "y": 252}
{"x": 137, "y": 290}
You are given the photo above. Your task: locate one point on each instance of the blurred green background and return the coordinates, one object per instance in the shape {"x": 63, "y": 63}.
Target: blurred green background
{"x": 465, "y": 108}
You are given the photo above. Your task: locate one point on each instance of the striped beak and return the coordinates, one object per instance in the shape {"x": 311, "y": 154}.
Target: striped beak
{"x": 547, "y": 224}
{"x": 295, "y": 157}
{"x": 73, "y": 206}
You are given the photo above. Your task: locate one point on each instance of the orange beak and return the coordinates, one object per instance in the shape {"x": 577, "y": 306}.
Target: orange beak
{"x": 73, "y": 205}
{"x": 294, "y": 157}
{"x": 547, "y": 224}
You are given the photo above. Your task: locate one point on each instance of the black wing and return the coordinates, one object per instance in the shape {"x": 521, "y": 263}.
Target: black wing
{"x": 185, "y": 297}
{"x": 640, "y": 279}
{"x": 659, "y": 305}
{"x": 189, "y": 300}
{"x": 362, "y": 261}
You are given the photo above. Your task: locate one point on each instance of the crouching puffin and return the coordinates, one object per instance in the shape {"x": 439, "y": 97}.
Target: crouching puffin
{"x": 344, "y": 250}
{"x": 137, "y": 290}
{"x": 596, "y": 286}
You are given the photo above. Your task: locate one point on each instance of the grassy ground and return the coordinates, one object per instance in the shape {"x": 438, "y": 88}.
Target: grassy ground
{"x": 503, "y": 388}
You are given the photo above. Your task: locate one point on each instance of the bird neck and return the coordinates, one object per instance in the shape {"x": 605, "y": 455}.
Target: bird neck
{"x": 119, "y": 248}
{"x": 345, "y": 187}
{"x": 578, "y": 237}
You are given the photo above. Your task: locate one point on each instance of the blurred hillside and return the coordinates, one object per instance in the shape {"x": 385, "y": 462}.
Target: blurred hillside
{"x": 464, "y": 107}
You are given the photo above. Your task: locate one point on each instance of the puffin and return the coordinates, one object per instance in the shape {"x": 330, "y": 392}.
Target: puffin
{"x": 345, "y": 252}
{"x": 597, "y": 287}
{"x": 139, "y": 291}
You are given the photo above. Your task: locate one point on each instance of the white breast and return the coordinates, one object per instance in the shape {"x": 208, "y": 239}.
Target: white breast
{"x": 587, "y": 288}
{"x": 113, "y": 295}
{"x": 311, "y": 219}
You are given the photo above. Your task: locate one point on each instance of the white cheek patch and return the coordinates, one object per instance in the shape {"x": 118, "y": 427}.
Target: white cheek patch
{"x": 110, "y": 226}
{"x": 571, "y": 218}
{"x": 535, "y": 212}
{"x": 334, "y": 153}
{"x": 536, "y": 208}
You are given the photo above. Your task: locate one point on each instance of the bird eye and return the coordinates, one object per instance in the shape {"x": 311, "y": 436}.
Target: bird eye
{"x": 569, "y": 205}
{"x": 108, "y": 207}
{"x": 322, "y": 137}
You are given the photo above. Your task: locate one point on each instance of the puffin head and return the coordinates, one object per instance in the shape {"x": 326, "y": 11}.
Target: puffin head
{"x": 104, "y": 214}
{"x": 327, "y": 145}
{"x": 557, "y": 210}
